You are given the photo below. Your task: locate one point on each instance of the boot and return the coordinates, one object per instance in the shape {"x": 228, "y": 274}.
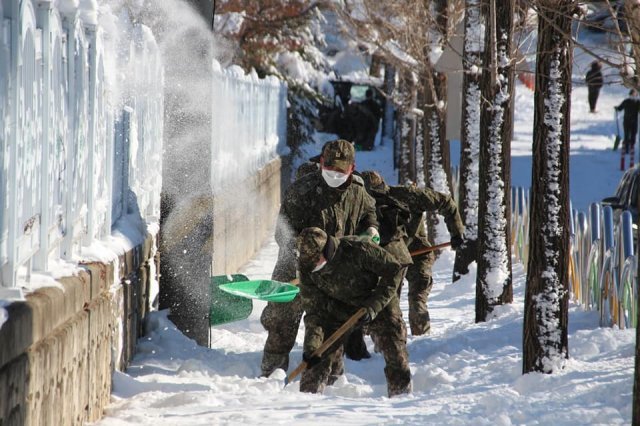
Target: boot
{"x": 355, "y": 348}
{"x": 420, "y": 323}
{"x": 272, "y": 361}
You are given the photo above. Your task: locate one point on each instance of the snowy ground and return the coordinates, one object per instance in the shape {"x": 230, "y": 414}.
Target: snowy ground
{"x": 463, "y": 373}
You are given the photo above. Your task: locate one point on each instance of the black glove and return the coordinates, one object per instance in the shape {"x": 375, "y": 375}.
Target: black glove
{"x": 311, "y": 360}
{"x": 456, "y": 242}
{"x": 365, "y": 319}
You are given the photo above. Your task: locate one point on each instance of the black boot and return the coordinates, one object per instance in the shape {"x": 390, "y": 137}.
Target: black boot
{"x": 355, "y": 348}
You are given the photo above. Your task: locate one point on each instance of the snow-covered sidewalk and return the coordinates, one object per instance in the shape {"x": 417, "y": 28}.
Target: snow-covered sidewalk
{"x": 463, "y": 373}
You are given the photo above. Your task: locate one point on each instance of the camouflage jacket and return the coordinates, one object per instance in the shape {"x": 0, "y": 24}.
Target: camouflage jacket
{"x": 358, "y": 274}
{"x": 420, "y": 200}
{"x": 309, "y": 201}
{"x": 393, "y": 216}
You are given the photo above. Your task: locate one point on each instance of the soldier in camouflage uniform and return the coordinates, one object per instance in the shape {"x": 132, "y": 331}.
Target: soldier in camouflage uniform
{"x": 419, "y": 201}
{"x": 393, "y": 216}
{"x": 332, "y": 199}
{"x": 339, "y": 276}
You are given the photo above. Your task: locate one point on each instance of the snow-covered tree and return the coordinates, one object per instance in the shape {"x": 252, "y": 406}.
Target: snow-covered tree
{"x": 436, "y": 162}
{"x": 410, "y": 35}
{"x": 281, "y": 38}
{"x": 545, "y": 344}
{"x": 470, "y": 137}
{"x": 494, "y": 278}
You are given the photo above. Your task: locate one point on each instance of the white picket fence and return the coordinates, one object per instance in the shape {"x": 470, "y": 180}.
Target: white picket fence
{"x": 249, "y": 121}
{"x": 73, "y": 158}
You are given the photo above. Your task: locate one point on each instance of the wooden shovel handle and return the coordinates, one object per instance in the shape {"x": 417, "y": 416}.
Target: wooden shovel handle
{"x": 327, "y": 343}
{"x": 428, "y": 249}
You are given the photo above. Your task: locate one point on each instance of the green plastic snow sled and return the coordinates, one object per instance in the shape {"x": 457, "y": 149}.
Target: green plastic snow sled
{"x": 226, "y": 307}
{"x": 271, "y": 291}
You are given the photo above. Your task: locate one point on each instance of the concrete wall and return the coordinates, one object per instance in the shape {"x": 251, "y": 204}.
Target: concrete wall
{"x": 59, "y": 348}
{"x": 244, "y": 215}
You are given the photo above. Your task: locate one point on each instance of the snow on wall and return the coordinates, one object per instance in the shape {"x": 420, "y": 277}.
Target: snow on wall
{"x": 549, "y": 301}
{"x": 57, "y": 112}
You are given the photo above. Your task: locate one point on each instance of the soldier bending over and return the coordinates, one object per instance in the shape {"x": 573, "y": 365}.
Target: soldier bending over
{"x": 339, "y": 276}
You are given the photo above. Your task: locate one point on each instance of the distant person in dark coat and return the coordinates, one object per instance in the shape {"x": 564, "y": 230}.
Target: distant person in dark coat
{"x": 374, "y": 113}
{"x": 594, "y": 82}
{"x": 631, "y": 107}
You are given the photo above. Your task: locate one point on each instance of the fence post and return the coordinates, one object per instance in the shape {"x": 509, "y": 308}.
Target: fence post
{"x": 41, "y": 258}
{"x": 9, "y": 271}
{"x": 627, "y": 234}
{"x": 69, "y": 24}
{"x": 90, "y": 33}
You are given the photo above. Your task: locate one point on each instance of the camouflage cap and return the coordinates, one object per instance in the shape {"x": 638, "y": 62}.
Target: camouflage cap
{"x": 372, "y": 179}
{"x": 339, "y": 153}
{"x": 311, "y": 242}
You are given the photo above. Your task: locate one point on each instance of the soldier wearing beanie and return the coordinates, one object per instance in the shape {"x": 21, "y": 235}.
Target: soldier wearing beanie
{"x": 332, "y": 199}
{"x": 340, "y": 276}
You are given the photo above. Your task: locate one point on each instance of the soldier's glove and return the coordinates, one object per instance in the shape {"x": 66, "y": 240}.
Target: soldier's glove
{"x": 372, "y": 235}
{"x": 456, "y": 242}
{"x": 366, "y": 318}
{"x": 311, "y": 360}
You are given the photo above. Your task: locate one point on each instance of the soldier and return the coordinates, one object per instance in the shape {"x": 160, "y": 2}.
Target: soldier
{"x": 339, "y": 276}
{"x": 332, "y": 199}
{"x": 393, "y": 217}
{"x": 419, "y": 201}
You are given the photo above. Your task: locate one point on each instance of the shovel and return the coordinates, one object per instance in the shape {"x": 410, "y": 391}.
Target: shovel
{"x": 428, "y": 249}
{"x": 269, "y": 290}
{"x": 327, "y": 343}
{"x": 227, "y": 307}
{"x": 616, "y": 142}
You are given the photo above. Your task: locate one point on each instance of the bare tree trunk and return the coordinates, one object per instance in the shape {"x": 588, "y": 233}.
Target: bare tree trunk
{"x": 389, "y": 89}
{"x": 545, "y": 343}
{"x": 470, "y": 138}
{"x": 407, "y": 128}
{"x": 632, "y": 14}
{"x": 494, "y": 280}
{"x": 435, "y": 163}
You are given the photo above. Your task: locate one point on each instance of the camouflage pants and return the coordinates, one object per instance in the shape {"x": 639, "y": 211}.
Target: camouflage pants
{"x": 420, "y": 284}
{"x": 282, "y": 321}
{"x": 391, "y": 335}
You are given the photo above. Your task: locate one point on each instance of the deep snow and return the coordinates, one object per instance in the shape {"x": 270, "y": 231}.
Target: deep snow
{"x": 463, "y": 373}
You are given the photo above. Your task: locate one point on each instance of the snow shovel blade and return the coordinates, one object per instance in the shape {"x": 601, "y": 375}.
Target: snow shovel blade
{"x": 271, "y": 291}
{"x": 226, "y": 307}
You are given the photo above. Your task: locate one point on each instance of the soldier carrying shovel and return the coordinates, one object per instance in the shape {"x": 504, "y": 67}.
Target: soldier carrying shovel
{"x": 338, "y": 277}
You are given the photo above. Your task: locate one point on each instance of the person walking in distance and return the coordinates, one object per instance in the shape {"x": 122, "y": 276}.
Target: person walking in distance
{"x": 630, "y": 107}
{"x": 339, "y": 276}
{"x": 594, "y": 82}
{"x": 331, "y": 198}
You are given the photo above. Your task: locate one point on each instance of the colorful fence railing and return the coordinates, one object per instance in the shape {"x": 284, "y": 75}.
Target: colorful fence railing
{"x": 603, "y": 266}
{"x": 73, "y": 155}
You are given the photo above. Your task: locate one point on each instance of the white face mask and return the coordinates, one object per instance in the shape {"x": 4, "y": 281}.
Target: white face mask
{"x": 334, "y": 179}
{"x": 320, "y": 266}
